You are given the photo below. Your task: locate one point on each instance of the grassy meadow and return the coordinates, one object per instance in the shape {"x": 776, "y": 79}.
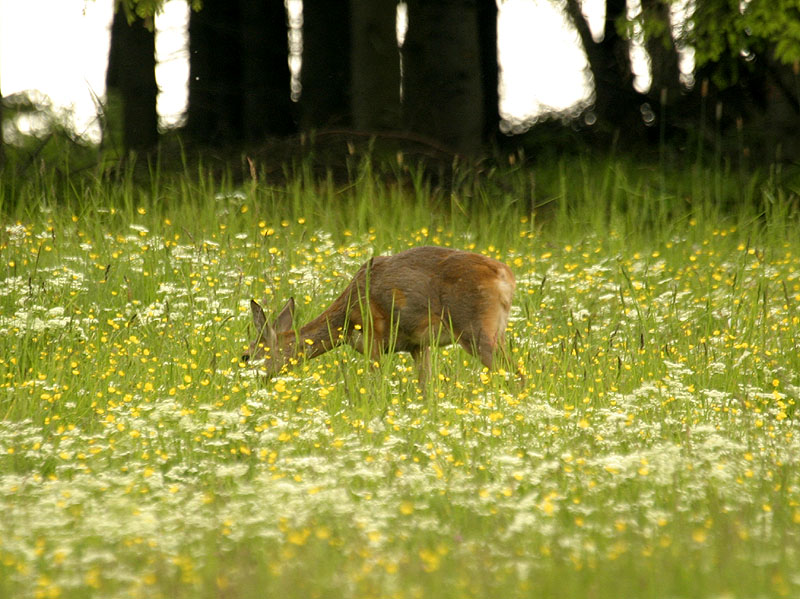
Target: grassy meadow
{"x": 652, "y": 449}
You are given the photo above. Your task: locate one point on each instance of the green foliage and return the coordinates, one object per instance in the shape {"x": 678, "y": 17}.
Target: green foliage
{"x": 721, "y": 31}
{"x": 147, "y": 9}
{"x": 727, "y": 26}
{"x": 778, "y": 24}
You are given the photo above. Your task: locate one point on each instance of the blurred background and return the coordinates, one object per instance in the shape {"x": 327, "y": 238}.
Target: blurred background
{"x": 463, "y": 76}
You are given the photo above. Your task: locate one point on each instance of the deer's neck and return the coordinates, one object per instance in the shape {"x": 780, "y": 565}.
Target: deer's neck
{"x": 320, "y": 335}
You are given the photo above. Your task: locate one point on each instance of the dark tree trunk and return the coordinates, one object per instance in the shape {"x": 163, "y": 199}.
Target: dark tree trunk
{"x": 2, "y": 141}
{"x": 325, "y": 71}
{"x": 490, "y": 71}
{"x": 751, "y": 107}
{"x": 131, "y": 75}
{"x": 616, "y": 102}
{"x": 268, "y": 107}
{"x": 442, "y": 86}
{"x": 239, "y": 80}
{"x": 375, "y": 65}
{"x": 778, "y": 125}
{"x": 215, "y": 108}
{"x": 665, "y": 87}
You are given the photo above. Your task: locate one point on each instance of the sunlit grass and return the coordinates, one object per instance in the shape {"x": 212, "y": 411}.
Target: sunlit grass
{"x": 651, "y": 451}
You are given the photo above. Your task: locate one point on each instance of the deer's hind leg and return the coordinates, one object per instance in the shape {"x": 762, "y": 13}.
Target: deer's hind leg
{"x": 486, "y": 338}
{"x": 422, "y": 358}
{"x": 480, "y": 345}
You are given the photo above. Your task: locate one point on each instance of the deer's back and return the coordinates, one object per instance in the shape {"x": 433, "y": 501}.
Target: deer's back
{"x": 427, "y": 286}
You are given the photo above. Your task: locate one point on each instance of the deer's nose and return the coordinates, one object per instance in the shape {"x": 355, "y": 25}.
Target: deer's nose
{"x": 246, "y": 358}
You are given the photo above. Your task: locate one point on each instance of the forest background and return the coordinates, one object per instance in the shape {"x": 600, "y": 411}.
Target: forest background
{"x": 722, "y": 75}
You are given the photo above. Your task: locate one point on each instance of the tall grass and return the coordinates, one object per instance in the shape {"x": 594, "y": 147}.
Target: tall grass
{"x": 651, "y": 450}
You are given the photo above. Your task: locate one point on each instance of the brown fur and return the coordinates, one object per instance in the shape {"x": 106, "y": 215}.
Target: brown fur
{"x": 402, "y": 302}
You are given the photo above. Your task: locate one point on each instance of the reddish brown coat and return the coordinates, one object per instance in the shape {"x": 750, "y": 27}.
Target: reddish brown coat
{"x": 404, "y": 302}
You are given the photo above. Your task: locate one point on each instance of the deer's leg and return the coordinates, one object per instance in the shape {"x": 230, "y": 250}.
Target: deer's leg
{"x": 422, "y": 358}
{"x": 479, "y": 345}
{"x": 488, "y": 349}
{"x": 490, "y": 337}
{"x": 376, "y": 333}
{"x": 502, "y": 348}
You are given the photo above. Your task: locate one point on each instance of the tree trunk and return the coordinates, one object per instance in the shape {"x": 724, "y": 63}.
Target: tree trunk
{"x": 2, "y": 141}
{"x": 268, "y": 107}
{"x": 442, "y": 85}
{"x": 325, "y": 71}
{"x": 490, "y": 71}
{"x": 215, "y": 111}
{"x": 752, "y": 106}
{"x": 375, "y": 65}
{"x": 665, "y": 86}
{"x": 131, "y": 75}
{"x": 616, "y": 102}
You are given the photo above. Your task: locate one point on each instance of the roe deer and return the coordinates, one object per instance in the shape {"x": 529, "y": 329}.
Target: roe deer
{"x": 402, "y": 302}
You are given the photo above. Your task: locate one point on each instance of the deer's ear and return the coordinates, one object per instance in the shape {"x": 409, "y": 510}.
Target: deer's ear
{"x": 284, "y": 320}
{"x": 259, "y": 318}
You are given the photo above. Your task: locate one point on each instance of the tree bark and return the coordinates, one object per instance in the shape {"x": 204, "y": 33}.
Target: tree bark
{"x": 442, "y": 86}
{"x": 662, "y": 52}
{"x": 215, "y": 112}
{"x": 616, "y": 102}
{"x": 375, "y": 65}
{"x": 490, "y": 70}
{"x": 2, "y": 140}
{"x": 325, "y": 72}
{"x": 268, "y": 108}
{"x": 131, "y": 74}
